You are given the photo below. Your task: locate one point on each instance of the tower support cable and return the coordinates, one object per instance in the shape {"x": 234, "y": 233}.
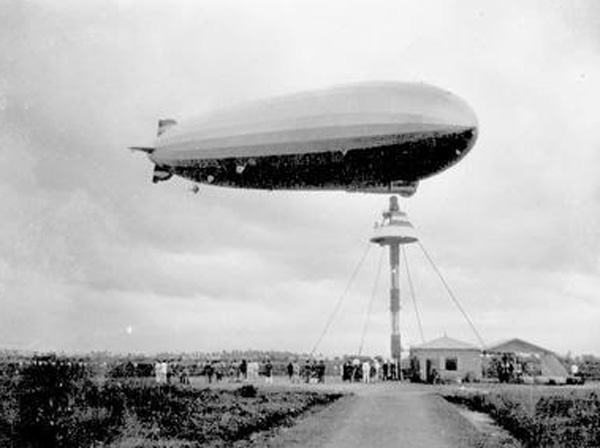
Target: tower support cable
{"x": 412, "y": 294}
{"x": 373, "y": 294}
{"x": 452, "y": 296}
{"x": 340, "y": 300}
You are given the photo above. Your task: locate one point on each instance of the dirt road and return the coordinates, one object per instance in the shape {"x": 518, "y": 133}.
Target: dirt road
{"x": 383, "y": 415}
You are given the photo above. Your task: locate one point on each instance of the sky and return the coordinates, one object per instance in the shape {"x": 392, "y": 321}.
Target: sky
{"x": 93, "y": 256}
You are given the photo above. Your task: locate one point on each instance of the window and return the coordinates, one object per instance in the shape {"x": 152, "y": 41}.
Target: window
{"x": 451, "y": 364}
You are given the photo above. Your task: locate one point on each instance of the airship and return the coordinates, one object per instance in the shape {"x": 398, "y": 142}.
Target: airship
{"x": 378, "y": 137}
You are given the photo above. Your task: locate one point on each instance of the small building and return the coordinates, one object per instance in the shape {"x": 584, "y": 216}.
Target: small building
{"x": 446, "y": 359}
{"x": 517, "y": 360}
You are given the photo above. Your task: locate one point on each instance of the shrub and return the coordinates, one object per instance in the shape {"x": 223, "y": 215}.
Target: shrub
{"x": 556, "y": 421}
{"x": 55, "y": 402}
{"x": 247, "y": 391}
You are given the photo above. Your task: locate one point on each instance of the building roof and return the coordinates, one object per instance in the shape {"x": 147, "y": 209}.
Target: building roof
{"x": 445, "y": 343}
{"x": 517, "y": 345}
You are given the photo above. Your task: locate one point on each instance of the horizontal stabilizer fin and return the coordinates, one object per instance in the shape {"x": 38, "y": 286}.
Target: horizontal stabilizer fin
{"x": 146, "y": 149}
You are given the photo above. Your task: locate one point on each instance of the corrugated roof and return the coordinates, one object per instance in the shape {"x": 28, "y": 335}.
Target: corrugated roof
{"x": 551, "y": 366}
{"x": 446, "y": 343}
{"x": 517, "y": 345}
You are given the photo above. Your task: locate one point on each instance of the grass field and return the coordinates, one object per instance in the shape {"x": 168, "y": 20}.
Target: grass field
{"x": 538, "y": 416}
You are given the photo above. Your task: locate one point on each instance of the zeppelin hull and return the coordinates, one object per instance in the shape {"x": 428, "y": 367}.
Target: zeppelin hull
{"x": 361, "y": 137}
{"x": 378, "y": 162}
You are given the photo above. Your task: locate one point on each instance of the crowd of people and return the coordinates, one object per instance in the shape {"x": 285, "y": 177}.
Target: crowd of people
{"x": 369, "y": 370}
{"x": 233, "y": 370}
{"x": 309, "y": 371}
{"x": 312, "y": 371}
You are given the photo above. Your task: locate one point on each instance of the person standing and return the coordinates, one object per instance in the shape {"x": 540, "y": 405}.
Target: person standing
{"x": 314, "y": 374}
{"x": 220, "y": 370}
{"x": 377, "y": 369}
{"x": 306, "y": 371}
{"x": 366, "y": 371}
{"x": 269, "y": 372}
{"x": 347, "y": 371}
{"x": 321, "y": 371}
{"x": 290, "y": 371}
{"x": 244, "y": 370}
{"x": 356, "y": 368}
{"x": 157, "y": 372}
{"x": 386, "y": 370}
{"x": 233, "y": 372}
{"x": 184, "y": 375}
{"x": 296, "y": 377}
{"x": 209, "y": 371}
{"x": 253, "y": 370}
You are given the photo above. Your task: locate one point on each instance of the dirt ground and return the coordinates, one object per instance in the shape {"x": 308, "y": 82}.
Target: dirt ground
{"x": 384, "y": 415}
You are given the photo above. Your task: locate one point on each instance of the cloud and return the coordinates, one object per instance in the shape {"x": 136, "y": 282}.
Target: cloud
{"x": 87, "y": 240}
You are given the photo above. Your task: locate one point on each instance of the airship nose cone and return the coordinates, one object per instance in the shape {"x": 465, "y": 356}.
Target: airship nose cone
{"x": 440, "y": 106}
{"x": 462, "y": 112}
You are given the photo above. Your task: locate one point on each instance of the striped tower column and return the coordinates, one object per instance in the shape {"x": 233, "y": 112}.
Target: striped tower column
{"x": 394, "y": 230}
{"x": 396, "y": 347}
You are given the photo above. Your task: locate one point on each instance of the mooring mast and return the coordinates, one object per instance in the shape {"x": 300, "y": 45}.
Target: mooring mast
{"x": 394, "y": 230}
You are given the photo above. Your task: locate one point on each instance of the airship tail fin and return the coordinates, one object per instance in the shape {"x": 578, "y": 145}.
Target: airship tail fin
{"x": 146, "y": 149}
{"x": 164, "y": 124}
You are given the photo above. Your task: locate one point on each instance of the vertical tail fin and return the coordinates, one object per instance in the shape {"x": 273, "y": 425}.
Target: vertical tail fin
{"x": 165, "y": 124}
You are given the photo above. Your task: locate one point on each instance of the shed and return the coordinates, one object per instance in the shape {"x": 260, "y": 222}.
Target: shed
{"x": 522, "y": 360}
{"x": 447, "y": 359}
